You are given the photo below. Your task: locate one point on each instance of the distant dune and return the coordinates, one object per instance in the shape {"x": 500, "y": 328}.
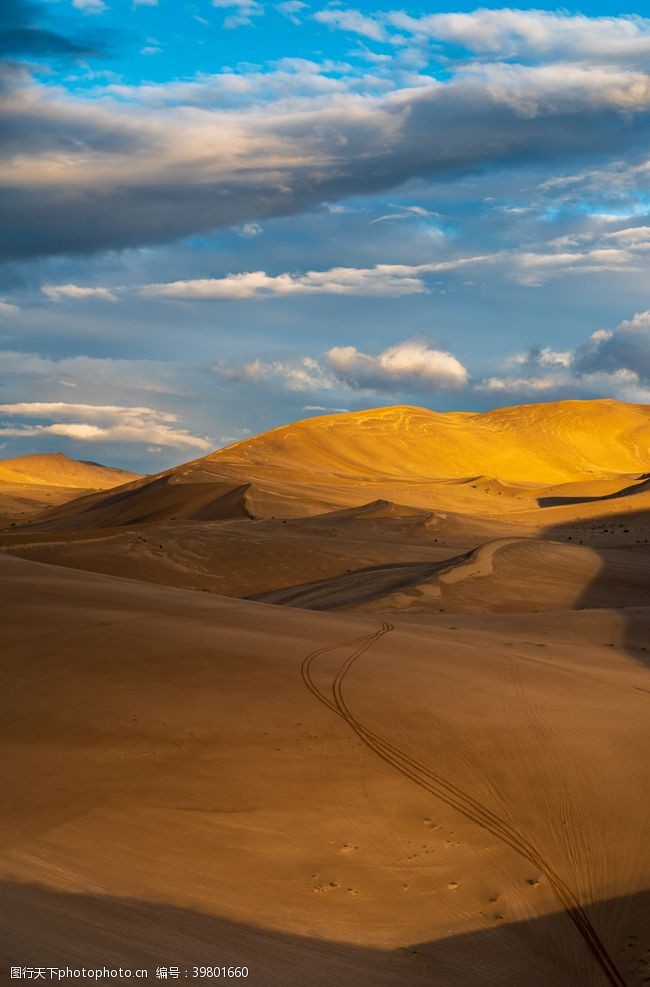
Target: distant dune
{"x": 27, "y": 483}
{"x": 55, "y": 469}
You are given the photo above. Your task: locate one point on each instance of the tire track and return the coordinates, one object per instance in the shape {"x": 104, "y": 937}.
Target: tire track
{"x": 453, "y": 796}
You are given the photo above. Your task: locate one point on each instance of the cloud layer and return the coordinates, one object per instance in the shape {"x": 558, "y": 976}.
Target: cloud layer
{"x": 140, "y": 165}
{"x": 99, "y": 423}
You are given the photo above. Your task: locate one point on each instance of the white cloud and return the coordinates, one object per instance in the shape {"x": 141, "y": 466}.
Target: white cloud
{"x": 7, "y": 308}
{"x": 244, "y": 10}
{"x": 76, "y": 292}
{"x": 304, "y": 374}
{"x": 250, "y": 230}
{"x": 353, "y": 21}
{"x": 508, "y": 33}
{"x": 389, "y": 280}
{"x": 291, "y": 9}
{"x": 611, "y": 363}
{"x": 100, "y": 423}
{"x": 407, "y": 364}
{"x": 405, "y": 212}
{"x": 90, "y": 6}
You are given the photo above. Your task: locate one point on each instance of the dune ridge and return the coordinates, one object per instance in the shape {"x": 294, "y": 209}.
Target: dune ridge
{"x": 55, "y": 469}
{"x": 503, "y": 461}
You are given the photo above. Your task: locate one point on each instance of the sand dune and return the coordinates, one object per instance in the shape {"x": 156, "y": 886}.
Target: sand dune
{"x": 443, "y": 779}
{"x": 30, "y": 483}
{"x": 534, "y": 443}
{"x": 57, "y": 470}
{"x": 487, "y": 464}
{"x": 197, "y": 789}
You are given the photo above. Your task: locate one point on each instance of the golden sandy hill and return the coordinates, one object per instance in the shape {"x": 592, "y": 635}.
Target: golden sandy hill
{"x": 55, "y": 469}
{"x": 538, "y": 444}
{"x": 492, "y": 463}
{"x": 28, "y": 484}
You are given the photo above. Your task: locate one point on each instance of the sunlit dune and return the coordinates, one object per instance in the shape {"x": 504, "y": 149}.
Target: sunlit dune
{"x": 366, "y": 694}
{"x": 27, "y": 483}
{"x": 538, "y": 444}
{"x": 499, "y": 462}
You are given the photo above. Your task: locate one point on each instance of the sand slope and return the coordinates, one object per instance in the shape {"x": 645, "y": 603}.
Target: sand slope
{"x": 30, "y": 483}
{"x": 526, "y": 444}
{"x": 57, "y": 470}
{"x": 507, "y": 461}
{"x": 415, "y": 804}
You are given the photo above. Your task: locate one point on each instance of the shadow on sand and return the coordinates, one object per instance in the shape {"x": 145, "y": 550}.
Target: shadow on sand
{"x": 621, "y": 542}
{"x": 48, "y": 928}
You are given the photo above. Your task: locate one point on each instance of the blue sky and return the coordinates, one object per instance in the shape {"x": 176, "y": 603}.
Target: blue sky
{"x": 218, "y": 217}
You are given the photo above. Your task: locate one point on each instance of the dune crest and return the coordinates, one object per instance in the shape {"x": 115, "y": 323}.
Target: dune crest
{"x": 55, "y": 469}
{"x": 504, "y": 461}
{"x": 539, "y": 443}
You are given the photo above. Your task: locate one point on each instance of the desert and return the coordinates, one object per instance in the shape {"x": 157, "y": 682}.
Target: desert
{"x": 325, "y": 493}
{"x": 337, "y": 704}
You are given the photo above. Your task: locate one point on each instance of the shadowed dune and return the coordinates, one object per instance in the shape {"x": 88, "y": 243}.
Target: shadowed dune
{"x": 176, "y": 753}
{"x": 73, "y": 929}
{"x": 356, "y": 587}
{"x": 643, "y": 486}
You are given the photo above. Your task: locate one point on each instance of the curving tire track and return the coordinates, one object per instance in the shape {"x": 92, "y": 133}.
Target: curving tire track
{"x": 453, "y": 796}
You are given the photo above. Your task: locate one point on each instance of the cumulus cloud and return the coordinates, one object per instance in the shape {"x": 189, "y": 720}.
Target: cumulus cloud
{"x": 103, "y": 423}
{"x": 76, "y": 292}
{"x": 411, "y": 365}
{"x": 611, "y": 363}
{"x": 408, "y": 364}
{"x": 626, "y": 348}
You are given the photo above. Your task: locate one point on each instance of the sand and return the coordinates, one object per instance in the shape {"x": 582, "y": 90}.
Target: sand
{"x": 30, "y": 483}
{"x": 419, "y": 756}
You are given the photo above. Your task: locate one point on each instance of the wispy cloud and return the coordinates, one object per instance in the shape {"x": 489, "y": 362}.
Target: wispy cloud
{"x": 99, "y": 423}
{"x": 243, "y": 11}
{"x": 76, "y": 292}
{"x": 90, "y": 6}
{"x": 382, "y": 280}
